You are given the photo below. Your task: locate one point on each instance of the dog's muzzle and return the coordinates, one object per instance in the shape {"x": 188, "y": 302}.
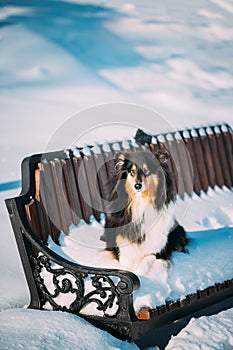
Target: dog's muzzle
{"x": 138, "y": 186}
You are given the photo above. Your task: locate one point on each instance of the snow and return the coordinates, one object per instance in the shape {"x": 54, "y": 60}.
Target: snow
{"x": 226, "y": 5}
{"x": 35, "y": 329}
{"x": 11, "y": 269}
{"x": 59, "y": 58}
{"x": 196, "y": 334}
{"x": 9, "y": 11}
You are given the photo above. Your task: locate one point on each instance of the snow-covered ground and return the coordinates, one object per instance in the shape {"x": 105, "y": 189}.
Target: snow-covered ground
{"x": 214, "y": 332}
{"x": 59, "y": 58}
{"x": 33, "y": 329}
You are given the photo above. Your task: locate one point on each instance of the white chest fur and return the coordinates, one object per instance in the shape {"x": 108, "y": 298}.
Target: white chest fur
{"x": 155, "y": 226}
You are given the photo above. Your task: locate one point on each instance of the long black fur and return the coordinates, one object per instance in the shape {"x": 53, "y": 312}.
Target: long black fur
{"x": 120, "y": 221}
{"x": 177, "y": 242}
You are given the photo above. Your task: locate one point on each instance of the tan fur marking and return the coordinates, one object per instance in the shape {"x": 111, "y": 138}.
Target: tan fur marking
{"x": 110, "y": 254}
{"x": 133, "y": 197}
{"x": 129, "y": 186}
{"x": 134, "y": 168}
{"x": 151, "y": 182}
{"x": 121, "y": 242}
{"x": 148, "y": 195}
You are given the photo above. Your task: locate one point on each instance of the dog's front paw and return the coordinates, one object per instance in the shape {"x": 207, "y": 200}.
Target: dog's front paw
{"x": 145, "y": 265}
{"x": 159, "y": 270}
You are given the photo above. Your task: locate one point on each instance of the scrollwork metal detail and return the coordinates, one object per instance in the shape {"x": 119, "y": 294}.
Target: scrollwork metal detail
{"x": 68, "y": 290}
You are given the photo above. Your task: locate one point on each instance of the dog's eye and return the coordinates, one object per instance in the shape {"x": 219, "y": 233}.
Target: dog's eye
{"x": 132, "y": 172}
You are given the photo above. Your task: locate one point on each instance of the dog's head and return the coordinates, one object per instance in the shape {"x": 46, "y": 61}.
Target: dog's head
{"x": 145, "y": 174}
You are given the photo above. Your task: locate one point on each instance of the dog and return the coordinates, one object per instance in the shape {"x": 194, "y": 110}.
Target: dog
{"x": 140, "y": 228}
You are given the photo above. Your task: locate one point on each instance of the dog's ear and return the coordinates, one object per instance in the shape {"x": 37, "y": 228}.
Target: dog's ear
{"x": 163, "y": 155}
{"x": 120, "y": 160}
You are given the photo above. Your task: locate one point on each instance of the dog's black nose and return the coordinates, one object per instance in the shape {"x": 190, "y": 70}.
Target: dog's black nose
{"x": 138, "y": 186}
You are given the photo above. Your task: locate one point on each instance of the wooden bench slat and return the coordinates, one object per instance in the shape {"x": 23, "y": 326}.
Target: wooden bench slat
{"x": 223, "y": 159}
{"x": 62, "y": 203}
{"x": 215, "y": 158}
{"x": 71, "y": 191}
{"x": 42, "y": 217}
{"x": 108, "y": 157}
{"x": 92, "y": 185}
{"x": 228, "y": 146}
{"x": 208, "y": 160}
{"x": 201, "y": 166}
{"x": 196, "y": 180}
{"x": 178, "y": 163}
{"x": 42, "y": 206}
{"x": 187, "y": 167}
{"x": 85, "y": 208}
{"x": 102, "y": 178}
{"x": 48, "y": 199}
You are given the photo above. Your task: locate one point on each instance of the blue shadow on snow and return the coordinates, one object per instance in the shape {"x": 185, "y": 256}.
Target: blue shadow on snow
{"x": 77, "y": 28}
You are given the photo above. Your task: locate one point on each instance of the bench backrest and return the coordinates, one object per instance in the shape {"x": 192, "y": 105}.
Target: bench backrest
{"x": 68, "y": 188}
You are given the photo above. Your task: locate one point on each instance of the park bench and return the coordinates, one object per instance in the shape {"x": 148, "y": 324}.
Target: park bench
{"x": 51, "y": 201}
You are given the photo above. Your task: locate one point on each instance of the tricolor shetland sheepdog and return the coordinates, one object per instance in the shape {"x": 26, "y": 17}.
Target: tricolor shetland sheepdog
{"x": 140, "y": 227}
